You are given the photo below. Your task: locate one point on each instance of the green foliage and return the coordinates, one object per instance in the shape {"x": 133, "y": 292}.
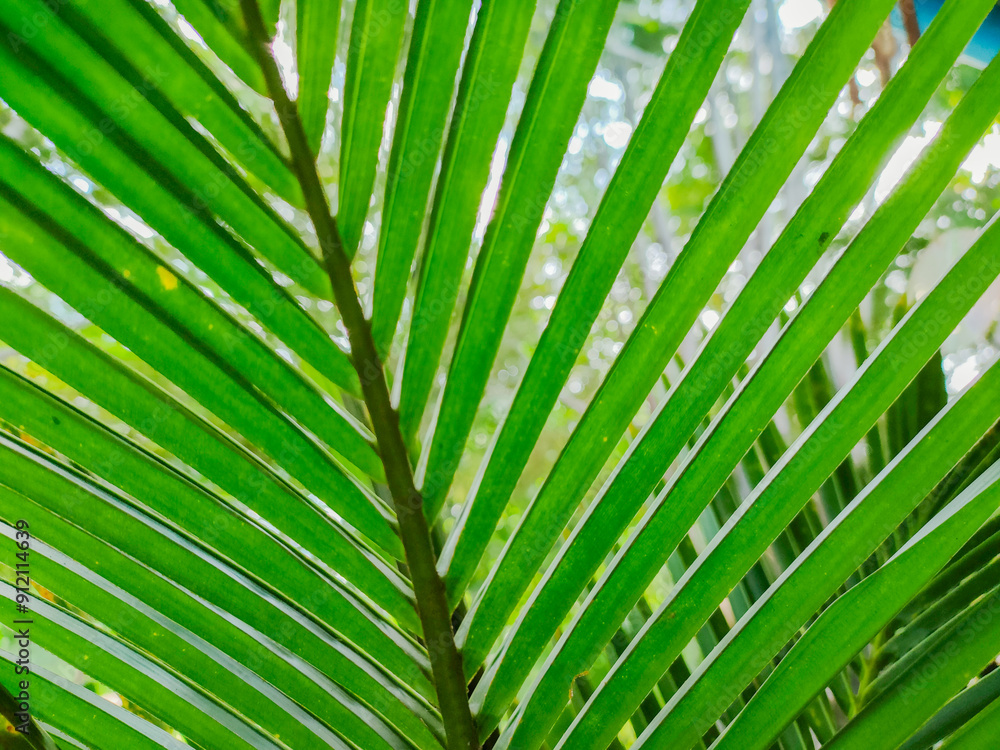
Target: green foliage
{"x": 570, "y": 426}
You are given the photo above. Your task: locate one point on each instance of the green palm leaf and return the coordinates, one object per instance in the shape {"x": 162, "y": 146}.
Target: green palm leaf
{"x": 238, "y": 514}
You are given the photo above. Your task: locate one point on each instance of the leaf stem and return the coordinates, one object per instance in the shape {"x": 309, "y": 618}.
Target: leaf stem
{"x": 909, "y": 13}
{"x": 435, "y": 617}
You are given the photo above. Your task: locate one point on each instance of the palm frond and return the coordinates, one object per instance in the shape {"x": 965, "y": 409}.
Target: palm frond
{"x": 245, "y": 482}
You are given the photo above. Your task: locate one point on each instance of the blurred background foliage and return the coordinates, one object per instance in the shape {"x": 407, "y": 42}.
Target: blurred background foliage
{"x": 772, "y": 36}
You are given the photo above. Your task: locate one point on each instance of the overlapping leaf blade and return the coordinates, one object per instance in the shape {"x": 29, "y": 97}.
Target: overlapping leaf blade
{"x": 212, "y": 537}
{"x": 51, "y": 494}
{"x": 555, "y": 97}
{"x": 120, "y": 93}
{"x": 151, "y": 47}
{"x": 782, "y": 366}
{"x": 826, "y": 646}
{"x": 138, "y": 402}
{"x": 688, "y": 285}
{"x": 80, "y": 714}
{"x": 490, "y": 68}
{"x": 170, "y": 207}
{"x": 140, "y": 679}
{"x": 859, "y": 530}
{"x": 428, "y": 85}
{"x": 632, "y": 190}
{"x": 316, "y": 25}
{"x": 376, "y": 38}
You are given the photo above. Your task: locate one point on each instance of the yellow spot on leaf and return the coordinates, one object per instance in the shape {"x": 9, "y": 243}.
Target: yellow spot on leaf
{"x": 168, "y": 280}
{"x": 127, "y": 273}
{"x": 45, "y": 593}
